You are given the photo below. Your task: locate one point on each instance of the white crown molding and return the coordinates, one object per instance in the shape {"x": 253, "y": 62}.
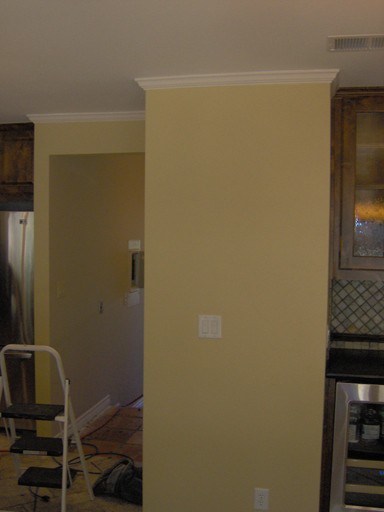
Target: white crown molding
{"x": 251, "y": 78}
{"x": 87, "y": 117}
{"x": 174, "y": 82}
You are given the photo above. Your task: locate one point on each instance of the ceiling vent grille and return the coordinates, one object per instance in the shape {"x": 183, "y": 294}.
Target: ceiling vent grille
{"x": 355, "y": 43}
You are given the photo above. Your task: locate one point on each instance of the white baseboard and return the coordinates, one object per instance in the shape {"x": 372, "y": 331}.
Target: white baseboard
{"x": 93, "y": 411}
{"x": 89, "y": 414}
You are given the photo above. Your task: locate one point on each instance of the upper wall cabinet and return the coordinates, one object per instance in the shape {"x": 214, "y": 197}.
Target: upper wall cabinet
{"x": 358, "y": 180}
{"x": 16, "y": 162}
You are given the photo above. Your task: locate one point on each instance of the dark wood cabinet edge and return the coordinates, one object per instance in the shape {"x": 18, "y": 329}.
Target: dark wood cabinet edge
{"x": 335, "y": 215}
{"x": 359, "y": 91}
{"x": 22, "y": 127}
{"x": 327, "y": 444}
{"x": 358, "y": 275}
{"x": 19, "y": 191}
{"x": 16, "y": 192}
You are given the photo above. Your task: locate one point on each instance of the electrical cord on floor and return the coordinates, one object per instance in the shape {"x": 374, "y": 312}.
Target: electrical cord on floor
{"x": 36, "y": 495}
{"x": 89, "y": 456}
{"x": 76, "y": 460}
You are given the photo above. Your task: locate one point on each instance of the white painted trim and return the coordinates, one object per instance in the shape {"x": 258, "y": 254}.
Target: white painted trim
{"x": 259, "y": 77}
{"x": 89, "y": 415}
{"x": 87, "y": 117}
{"x": 139, "y": 403}
{"x": 334, "y": 85}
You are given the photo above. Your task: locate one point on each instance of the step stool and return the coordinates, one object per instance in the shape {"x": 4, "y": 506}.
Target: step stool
{"x": 54, "y": 478}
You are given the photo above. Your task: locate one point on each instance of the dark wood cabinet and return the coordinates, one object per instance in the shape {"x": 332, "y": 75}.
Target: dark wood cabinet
{"x": 357, "y": 216}
{"x": 358, "y": 183}
{"x": 16, "y": 162}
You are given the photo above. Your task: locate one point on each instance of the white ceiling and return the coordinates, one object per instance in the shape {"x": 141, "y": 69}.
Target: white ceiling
{"x": 82, "y": 56}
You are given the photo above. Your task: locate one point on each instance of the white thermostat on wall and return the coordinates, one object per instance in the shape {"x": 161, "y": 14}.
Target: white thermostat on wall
{"x": 134, "y": 245}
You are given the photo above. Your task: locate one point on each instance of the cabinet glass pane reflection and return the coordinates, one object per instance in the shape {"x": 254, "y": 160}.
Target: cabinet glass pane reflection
{"x": 369, "y": 185}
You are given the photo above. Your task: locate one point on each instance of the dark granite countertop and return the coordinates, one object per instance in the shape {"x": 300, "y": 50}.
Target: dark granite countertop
{"x": 355, "y": 363}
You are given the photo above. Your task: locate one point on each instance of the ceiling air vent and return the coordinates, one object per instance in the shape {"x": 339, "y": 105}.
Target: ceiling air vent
{"x": 355, "y": 43}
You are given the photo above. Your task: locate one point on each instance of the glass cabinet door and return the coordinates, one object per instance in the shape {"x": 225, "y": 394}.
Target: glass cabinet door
{"x": 362, "y": 211}
{"x": 368, "y": 237}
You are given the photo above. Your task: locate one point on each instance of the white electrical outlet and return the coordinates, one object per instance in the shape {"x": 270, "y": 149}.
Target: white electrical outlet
{"x": 261, "y": 499}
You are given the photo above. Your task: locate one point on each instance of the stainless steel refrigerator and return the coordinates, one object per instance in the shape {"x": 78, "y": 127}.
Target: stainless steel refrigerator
{"x": 16, "y": 298}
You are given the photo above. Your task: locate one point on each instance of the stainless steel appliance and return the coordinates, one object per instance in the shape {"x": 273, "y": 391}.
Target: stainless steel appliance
{"x": 16, "y": 297}
{"x": 358, "y": 449}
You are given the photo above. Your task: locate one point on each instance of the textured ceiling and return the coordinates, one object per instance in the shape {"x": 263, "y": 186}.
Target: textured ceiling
{"x": 82, "y": 56}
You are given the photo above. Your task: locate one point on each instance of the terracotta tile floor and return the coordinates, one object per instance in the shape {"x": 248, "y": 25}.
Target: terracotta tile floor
{"x": 115, "y": 431}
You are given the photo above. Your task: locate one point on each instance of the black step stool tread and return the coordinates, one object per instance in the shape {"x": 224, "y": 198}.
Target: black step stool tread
{"x": 46, "y": 412}
{"x": 38, "y": 446}
{"x": 44, "y": 477}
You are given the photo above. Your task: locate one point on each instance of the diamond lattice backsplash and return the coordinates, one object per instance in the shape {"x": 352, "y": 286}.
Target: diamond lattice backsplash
{"x": 357, "y": 307}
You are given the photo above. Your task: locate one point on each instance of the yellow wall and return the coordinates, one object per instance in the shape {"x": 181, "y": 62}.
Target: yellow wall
{"x": 237, "y": 222}
{"x": 52, "y": 174}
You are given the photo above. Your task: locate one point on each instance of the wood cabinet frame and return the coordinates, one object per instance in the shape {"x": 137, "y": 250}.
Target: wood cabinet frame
{"x": 16, "y": 162}
{"x": 345, "y": 105}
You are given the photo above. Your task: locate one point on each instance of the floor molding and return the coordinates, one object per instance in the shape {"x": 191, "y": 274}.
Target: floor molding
{"x": 138, "y": 403}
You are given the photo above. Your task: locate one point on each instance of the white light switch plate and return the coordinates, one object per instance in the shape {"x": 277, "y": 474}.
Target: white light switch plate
{"x": 134, "y": 245}
{"x": 133, "y": 299}
{"x": 209, "y": 326}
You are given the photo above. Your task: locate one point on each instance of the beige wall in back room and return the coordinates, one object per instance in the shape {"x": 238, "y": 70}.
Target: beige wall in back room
{"x": 93, "y": 145}
{"x": 237, "y": 224}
